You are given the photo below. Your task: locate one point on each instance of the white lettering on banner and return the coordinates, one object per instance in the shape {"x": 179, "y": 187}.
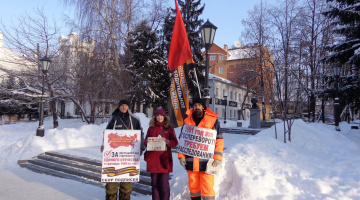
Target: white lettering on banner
{"x": 173, "y": 96}
{"x": 197, "y": 141}
{"x": 183, "y": 81}
{"x": 179, "y": 90}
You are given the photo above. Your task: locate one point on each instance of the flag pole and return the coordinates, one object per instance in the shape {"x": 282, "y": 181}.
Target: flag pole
{"x": 197, "y": 82}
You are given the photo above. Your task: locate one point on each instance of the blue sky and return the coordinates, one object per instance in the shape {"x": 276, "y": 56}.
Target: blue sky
{"x": 226, "y": 15}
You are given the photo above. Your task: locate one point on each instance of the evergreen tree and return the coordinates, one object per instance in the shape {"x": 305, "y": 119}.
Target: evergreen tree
{"x": 346, "y": 52}
{"x": 17, "y": 99}
{"x": 143, "y": 51}
{"x": 190, "y": 11}
{"x": 346, "y": 21}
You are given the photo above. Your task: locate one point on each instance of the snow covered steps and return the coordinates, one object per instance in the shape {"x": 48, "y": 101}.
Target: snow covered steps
{"x": 242, "y": 131}
{"x": 79, "y": 169}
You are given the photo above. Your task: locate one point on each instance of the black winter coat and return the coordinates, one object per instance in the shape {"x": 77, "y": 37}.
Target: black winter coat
{"x": 123, "y": 122}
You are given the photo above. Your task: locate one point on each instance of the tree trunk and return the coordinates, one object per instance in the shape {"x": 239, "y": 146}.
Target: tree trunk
{"x": 52, "y": 105}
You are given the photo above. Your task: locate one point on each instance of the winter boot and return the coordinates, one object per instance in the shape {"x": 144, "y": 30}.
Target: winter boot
{"x": 124, "y": 194}
{"x": 111, "y": 194}
{"x": 111, "y": 191}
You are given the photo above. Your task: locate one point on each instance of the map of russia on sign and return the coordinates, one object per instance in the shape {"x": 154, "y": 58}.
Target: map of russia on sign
{"x": 121, "y": 156}
{"x": 197, "y": 142}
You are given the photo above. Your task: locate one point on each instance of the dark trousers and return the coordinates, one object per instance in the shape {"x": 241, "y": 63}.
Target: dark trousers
{"x": 160, "y": 186}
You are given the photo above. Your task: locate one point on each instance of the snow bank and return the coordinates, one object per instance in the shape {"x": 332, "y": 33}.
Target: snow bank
{"x": 319, "y": 162}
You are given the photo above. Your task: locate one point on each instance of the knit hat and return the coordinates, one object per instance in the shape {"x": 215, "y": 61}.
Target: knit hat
{"x": 123, "y": 101}
{"x": 200, "y": 101}
{"x": 160, "y": 112}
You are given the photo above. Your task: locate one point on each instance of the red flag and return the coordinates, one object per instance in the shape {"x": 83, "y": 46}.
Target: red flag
{"x": 180, "y": 52}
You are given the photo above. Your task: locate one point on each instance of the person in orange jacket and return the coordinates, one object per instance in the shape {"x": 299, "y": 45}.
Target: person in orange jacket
{"x": 201, "y": 184}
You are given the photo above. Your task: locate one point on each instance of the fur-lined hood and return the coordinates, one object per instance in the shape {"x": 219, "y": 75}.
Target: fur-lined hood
{"x": 166, "y": 125}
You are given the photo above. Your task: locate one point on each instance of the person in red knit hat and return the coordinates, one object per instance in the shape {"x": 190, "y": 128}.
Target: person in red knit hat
{"x": 160, "y": 163}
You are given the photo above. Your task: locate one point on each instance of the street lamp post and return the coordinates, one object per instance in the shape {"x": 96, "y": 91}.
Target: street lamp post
{"x": 336, "y": 100}
{"x": 144, "y": 102}
{"x": 45, "y": 64}
{"x": 225, "y": 98}
{"x": 207, "y": 34}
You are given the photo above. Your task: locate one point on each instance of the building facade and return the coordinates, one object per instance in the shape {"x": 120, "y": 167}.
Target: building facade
{"x": 237, "y": 103}
{"x": 71, "y": 52}
{"x": 249, "y": 66}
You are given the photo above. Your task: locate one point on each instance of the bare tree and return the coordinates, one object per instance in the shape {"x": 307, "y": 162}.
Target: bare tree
{"x": 109, "y": 23}
{"x": 285, "y": 18}
{"x": 311, "y": 40}
{"x": 258, "y": 30}
{"x": 33, "y": 37}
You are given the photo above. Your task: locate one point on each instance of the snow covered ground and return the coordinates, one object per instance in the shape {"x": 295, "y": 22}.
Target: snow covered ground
{"x": 319, "y": 163}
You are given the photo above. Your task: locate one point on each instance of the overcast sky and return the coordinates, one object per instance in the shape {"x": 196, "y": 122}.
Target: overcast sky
{"x": 226, "y": 15}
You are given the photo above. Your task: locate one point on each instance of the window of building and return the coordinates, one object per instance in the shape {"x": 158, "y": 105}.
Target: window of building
{"x": 77, "y": 111}
{"x": 231, "y": 96}
{"x": 213, "y": 57}
{"x": 240, "y": 97}
{"x": 222, "y": 57}
{"x": 235, "y": 96}
{"x": 234, "y": 114}
{"x": 231, "y": 113}
{"x": 217, "y": 92}
{"x": 223, "y": 93}
{"x": 107, "y": 109}
{"x": 222, "y": 69}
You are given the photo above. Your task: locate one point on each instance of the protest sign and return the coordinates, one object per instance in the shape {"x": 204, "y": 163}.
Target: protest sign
{"x": 197, "y": 142}
{"x": 121, "y": 156}
{"x": 156, "y": 144}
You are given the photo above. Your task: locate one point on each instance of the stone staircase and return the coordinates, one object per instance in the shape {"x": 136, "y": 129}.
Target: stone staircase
{"x": 79, "y": 169}
{"x": 241, "y": 131}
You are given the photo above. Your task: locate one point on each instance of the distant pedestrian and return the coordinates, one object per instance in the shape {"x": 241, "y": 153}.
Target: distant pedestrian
{"x": 347, "y": 114}
{"x": 160, "y": 163}
{"x": 122, "y": 119}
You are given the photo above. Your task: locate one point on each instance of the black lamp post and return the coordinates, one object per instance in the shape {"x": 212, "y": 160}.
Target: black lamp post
{"x": 207, "y": 34}
{"x": 45, "y": 64}
{"x": 144, "y": 102}
{"x": 336, "y": 100}
{"x": 225, "y": 98}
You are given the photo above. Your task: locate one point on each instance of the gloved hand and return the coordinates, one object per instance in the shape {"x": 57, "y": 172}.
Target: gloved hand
{"x": 183, "y": 162}
{"x": 102, "y": 148}
{"x": 216, "y": 163}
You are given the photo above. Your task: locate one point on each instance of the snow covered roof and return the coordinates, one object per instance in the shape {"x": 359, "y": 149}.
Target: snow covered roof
{"x": 213, "y": 76}
{"x": 11, "y": 61}
{"x": 242, "y": 53}
{"x": 224, "y": 80}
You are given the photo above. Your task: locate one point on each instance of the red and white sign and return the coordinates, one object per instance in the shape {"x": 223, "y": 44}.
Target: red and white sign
{"x": 156, "y": 144}
{"x": 121, "y": 156}
{"x": 197, "y": 142}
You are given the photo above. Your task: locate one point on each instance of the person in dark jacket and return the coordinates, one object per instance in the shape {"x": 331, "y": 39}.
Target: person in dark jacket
{"x": 160, "y": 163}
{"x": 122, "y": 119}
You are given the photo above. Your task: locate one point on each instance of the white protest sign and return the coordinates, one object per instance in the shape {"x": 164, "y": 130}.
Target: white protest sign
{"x": 197, "y": 142}
{"x": 121, "y": 156}
{"x": 156, "y": 144}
